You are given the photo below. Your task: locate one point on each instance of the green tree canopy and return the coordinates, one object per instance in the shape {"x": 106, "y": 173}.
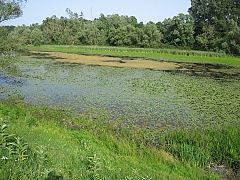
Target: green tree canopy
{"x": 178, "y": 31}
{"x": 216, "y": 24}
{"x": 6, "y": 43}
{"x": 215, "y": 12}
{"x": 10, "y": 9}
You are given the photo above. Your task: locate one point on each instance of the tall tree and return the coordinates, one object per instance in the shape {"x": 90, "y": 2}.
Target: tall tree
{"x": 152, "y": 37}
{"x": 178, "y": 31}
{"x": 215, "y": 12}
{"x": 216, "y": 16}
{"x": 207, "y": 40}
{"x": 7, "y": 43}
{"x": 10, "y": 9}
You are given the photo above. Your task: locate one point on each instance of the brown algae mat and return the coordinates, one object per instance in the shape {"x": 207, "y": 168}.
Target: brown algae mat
{"x": 110, "y": 61}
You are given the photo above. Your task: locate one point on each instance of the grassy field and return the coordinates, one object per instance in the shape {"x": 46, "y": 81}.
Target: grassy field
{"x": 155, "y": 54}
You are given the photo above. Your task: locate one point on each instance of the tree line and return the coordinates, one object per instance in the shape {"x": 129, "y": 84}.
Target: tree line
{"x": 210, "y": 25}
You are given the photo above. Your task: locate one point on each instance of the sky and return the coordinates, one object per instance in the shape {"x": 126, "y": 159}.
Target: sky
{"x": 35, "y": 11}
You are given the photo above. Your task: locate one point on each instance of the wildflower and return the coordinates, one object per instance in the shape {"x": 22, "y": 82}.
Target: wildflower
{"x": 3, "y": 158}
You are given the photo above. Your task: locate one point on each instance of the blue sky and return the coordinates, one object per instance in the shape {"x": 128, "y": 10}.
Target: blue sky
{"x": 35, "y": 11}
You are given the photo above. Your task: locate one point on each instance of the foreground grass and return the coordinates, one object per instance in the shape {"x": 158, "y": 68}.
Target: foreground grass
{"x": 155, "y": 54}
{"x": 56, "y": 145}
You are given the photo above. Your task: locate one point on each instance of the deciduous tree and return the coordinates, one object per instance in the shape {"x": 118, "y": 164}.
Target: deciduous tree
{"x": 219, "y": 20}
{"x": 7, "y": 43}
{"x": 178, "y": 31}
{"x": 10, "y": 9}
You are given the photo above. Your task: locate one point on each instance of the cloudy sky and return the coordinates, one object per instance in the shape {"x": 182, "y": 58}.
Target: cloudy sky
{"x": 35, "y": 11}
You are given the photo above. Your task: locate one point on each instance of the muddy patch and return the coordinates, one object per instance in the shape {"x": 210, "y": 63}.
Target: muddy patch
{"x": 111, "y": 61}
{"x": 216, "y": 71}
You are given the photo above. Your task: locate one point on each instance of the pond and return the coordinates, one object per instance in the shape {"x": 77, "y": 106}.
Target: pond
{"x": 131, "y": 96}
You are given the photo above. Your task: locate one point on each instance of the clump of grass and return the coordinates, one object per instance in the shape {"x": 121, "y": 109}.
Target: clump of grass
{"x": 218, "y": 145}
{"x": 200, "y": 147}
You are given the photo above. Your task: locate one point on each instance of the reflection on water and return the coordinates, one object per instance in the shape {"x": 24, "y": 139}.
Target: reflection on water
{"x": 126, "y": 94}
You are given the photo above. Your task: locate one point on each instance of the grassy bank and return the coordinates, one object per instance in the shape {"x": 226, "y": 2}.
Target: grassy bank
{"x": 155, "y": 54}
{"x": 56, "y": 145}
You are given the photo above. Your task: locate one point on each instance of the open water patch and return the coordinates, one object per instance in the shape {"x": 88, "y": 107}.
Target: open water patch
{"x": 9, "y": 85}
{"x": 6, "y": 79}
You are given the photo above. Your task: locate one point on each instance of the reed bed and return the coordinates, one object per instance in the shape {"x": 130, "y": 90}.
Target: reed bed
{"x": 148, "y": 50}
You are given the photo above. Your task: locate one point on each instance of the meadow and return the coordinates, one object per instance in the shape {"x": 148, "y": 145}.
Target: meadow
{"x": 72, "y": 121}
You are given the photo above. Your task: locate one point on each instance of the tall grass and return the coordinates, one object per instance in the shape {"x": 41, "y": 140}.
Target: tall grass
{"x": 142, "y": 50}
{"x": 218, "y": 145}
{"x": 200, "y": 147}
{"x": 56, "y": 145}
